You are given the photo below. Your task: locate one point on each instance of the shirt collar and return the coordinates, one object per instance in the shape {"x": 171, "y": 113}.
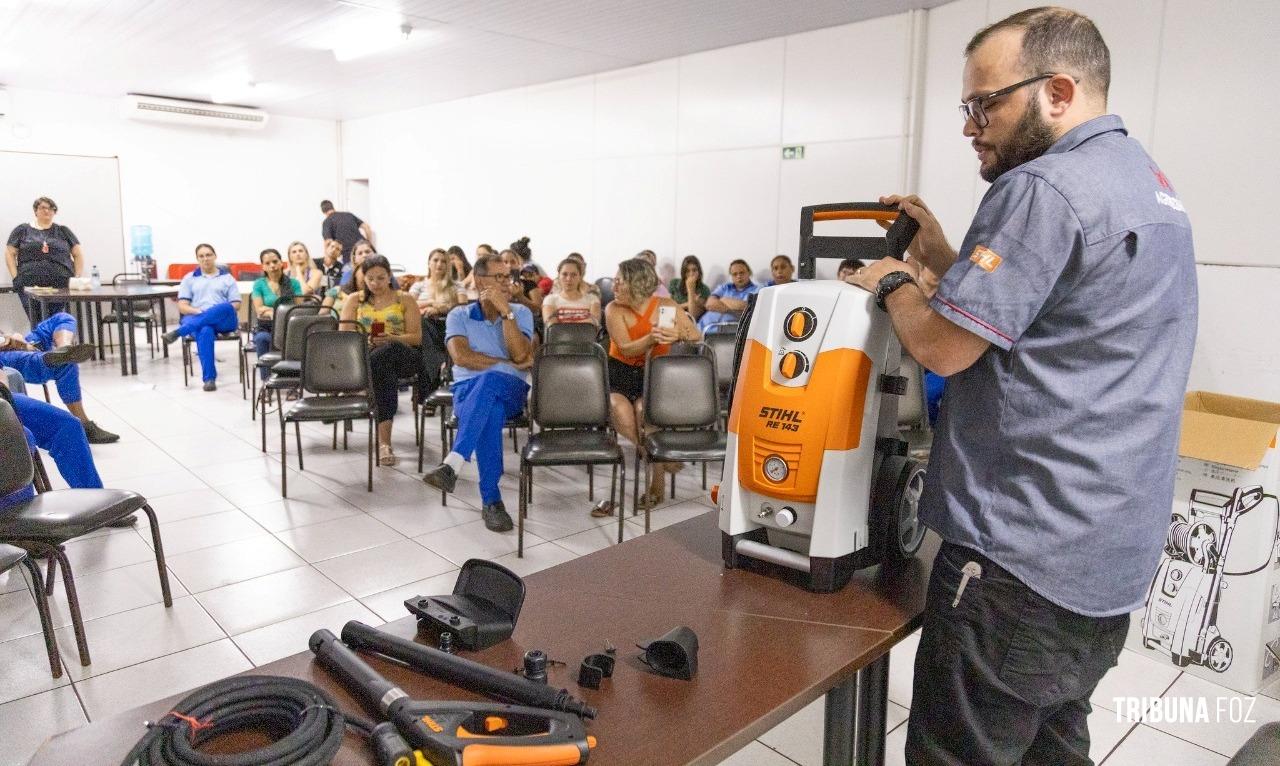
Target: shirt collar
{"x": 477, "y": 313}
{"x": 1087, "y": 130}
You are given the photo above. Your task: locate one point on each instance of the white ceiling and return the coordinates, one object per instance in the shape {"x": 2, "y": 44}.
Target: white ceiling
{"x": 213, "y": 49}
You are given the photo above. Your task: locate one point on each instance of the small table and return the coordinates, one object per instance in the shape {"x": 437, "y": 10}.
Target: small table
{"x": 120, "y": 297}
{"x": 767, "y": 649}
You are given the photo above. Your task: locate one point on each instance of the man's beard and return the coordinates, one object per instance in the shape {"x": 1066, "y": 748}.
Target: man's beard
{"x": 1032, "y": 137}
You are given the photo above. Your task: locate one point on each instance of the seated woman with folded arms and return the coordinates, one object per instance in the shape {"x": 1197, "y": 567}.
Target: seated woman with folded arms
{"x": 269, "y": 289}
{"x": 390, "y": 321}
{"x": 571, "y": 302}
{"x": 436, "y": 296}
{"x": 302, "y": 268}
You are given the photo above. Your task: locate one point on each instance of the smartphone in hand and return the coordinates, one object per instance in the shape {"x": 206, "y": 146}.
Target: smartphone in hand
{"x": 376, "y": 328}
{"x": 667, "y": 317}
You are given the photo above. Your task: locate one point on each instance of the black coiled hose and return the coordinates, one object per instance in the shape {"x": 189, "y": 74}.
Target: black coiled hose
{"x": 304, "y": 722}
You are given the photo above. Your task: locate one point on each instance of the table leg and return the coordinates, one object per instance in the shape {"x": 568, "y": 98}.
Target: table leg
{"x": 118, "y": 308}
{"x": 133, "y": 343}
{"x": 856, "y": 711}
{"x": 95, "y": 314}
{"x": 164, "y": 328}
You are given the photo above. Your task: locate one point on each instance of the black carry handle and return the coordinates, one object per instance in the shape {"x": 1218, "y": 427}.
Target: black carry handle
{"x": 892, "y": 245}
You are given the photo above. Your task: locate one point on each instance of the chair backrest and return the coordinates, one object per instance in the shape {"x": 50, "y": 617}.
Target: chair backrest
{"x": 570, "y": 387}
{"x": 302, "y": 324}
{"x": 605, "y": 286}
{"x": 337, "y": 362}
{"x": 130, "y": 278}
{"x": 572, "y": 332}
{"x": 721, "y": 345}
{"x": 16, "y": 469}
{"x": 280, "y": 326}
{"x": 680, "y": 390}
{"x": 15, "y": 381}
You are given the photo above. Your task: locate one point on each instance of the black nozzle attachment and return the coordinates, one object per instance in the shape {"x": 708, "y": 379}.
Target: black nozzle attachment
{"x": 675, "y": 655}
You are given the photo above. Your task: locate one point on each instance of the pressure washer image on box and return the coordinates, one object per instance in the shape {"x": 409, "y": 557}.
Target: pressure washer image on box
{"x": 1182, "y": 604}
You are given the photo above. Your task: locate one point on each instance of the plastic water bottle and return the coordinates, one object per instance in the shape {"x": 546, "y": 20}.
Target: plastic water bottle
{"x": 95, "y": 278}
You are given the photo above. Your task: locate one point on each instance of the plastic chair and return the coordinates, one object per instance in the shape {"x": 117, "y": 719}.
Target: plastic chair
{"x": 279, "y": 330}
{"x": 681, "y": 405}
{"x": 44, "y": 523}
{"x": 572, "y": 332}
{"x": 106, "y": 322}
{"x": 11, "y": 557}
{"x": 336, "y": 369}
{"x": 286, "y": 374}
{"x": 570, "y": 404}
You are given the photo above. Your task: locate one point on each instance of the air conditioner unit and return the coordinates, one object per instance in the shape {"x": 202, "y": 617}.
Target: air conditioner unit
{"x": 198, "y": 113}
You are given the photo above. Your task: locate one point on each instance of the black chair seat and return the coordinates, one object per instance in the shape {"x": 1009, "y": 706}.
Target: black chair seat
{"x": 233, "y": 335}
{"x": 10, "y": 557}
{"x": 288, "y": 368}
{"x": 439, "y": 397}
{"x": 519, "y": 421}
{"x": 571, "y": 448}
{"x": 61, "y": 515}
{"x": 329, "y": 408}
{"x": 270, "y": 358}
{"x": 685, "y": 446}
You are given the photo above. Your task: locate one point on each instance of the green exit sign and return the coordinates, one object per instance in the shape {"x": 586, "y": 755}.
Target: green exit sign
{"x": 793, "y": 152}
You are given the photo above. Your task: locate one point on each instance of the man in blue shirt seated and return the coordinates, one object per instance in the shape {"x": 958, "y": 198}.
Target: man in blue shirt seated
{"x": 209, "y": 302}
{"x": 50, "y": 353}
{"x": 490, "y": 343}
{"x": 729, "y": 300}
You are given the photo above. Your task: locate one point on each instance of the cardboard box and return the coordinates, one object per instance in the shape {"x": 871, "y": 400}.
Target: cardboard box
{"x": 1213, "y": 608}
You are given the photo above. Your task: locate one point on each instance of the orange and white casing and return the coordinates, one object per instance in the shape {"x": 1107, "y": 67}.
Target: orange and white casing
{"x": 808, "y": 392}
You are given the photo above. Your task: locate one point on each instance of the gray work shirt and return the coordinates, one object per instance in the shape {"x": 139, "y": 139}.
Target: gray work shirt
{"x": 1055, "y": 452}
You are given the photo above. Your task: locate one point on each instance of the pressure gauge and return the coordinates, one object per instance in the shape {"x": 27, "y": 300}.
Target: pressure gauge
{"x": 775, "y": 469}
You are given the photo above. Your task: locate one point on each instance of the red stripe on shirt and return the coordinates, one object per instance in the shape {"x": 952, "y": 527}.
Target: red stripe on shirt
{"x": 967, "y": 315}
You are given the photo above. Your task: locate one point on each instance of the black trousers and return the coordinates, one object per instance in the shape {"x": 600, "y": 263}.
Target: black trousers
{"x": 388, "y": 363}
{"x": 1004, "y": 676}
{"x": 434, "y": 354}
{"x": 40, "y": 274}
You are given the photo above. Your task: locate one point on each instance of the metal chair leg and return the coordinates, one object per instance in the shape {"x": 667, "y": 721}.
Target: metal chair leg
{"x": 297, "y": 433}
{"x": 622, "y": 516}
{"x": 51, "y": 569}
{"x": 704, "y": 475}
{"x": 521, "y": 510}
{"x": 73, "y": 602}
{"x": 373, "y": 437}
{"x": 284, "y": 461}
{"x": 591, "y": 484}
{"x": 262, "y": 403}
{"x": 159, "y": 548}
{"x": 46, "y": 620}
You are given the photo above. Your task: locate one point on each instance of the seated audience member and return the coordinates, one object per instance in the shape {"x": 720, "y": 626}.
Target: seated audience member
{"x": 484, "y": 249}
{"x": 390, "y": 321}
{"x": 209, "y": 304}
{"x": 846, "y": 268}
{"x": 50, "y": 353}
{"x": 361, "y": 250}
{"x": 490, "y": 342}
{"x": 634, "y": 329}
{"x": 782, "y": 270}
{"x": 330, "y": 266}
{"x": 272, "y": 287}
{"x": 521, "y": 248}
{"x": 301, "y": 268}
{"x": 651, "y": 258}
{"x": 436, "y": 296}
{"x": 60, "y": 434}
{"x": 460, "y": 269}
{"x": 729, "y": 300}
{"x": 572, "y": 302}
{"x": 688, "y": 290}
{"x": 526, "y": 293}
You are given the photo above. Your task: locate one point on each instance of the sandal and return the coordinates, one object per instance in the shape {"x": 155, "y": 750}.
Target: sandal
{"x": 602, "y": 509}
{"x": 386, "y": 456}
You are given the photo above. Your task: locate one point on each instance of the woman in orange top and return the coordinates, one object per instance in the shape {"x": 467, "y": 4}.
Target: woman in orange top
{"x": 635, "y": 326}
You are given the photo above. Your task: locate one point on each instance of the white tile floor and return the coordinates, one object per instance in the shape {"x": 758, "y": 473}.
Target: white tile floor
{"x": 253, "y": 575}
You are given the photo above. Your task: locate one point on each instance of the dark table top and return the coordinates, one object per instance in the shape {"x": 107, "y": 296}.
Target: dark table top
{"x": 767, "y": 649}
{"x": 104, "y": 293}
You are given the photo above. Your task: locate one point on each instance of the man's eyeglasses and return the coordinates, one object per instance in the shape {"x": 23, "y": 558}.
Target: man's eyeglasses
{"x": 976, "y": 108}
{"x": 500, "y": 277}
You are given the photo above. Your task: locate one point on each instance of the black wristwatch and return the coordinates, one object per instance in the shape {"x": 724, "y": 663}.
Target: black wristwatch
{"x": 890, "y": 282}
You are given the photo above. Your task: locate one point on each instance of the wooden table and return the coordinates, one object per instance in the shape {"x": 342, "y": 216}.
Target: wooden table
{"x": 121, "y": 298}
{"x": 766, "y": 651}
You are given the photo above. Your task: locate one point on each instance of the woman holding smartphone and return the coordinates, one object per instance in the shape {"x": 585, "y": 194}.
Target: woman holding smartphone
{"x": 639, "y": 321}
{"x": 390, "y": 321}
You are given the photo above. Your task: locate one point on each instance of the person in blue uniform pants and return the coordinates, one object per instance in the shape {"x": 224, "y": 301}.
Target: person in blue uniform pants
{"x": 50, "y": 353}
{"x": 490, "y": 342}
{"x": 209, "y": 302}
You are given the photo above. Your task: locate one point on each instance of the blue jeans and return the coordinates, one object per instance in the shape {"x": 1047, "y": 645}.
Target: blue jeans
{"x": 60, "y": 434}
{"x": 31, "y": 363}
{"x": 483, "y": 405}
{"x": 204, "y": 327}
{"x": 261, "y": 345}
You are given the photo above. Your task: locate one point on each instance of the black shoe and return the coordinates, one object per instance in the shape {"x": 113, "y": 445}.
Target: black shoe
{"x": 169, "y": 337}
{"x": 210, "y": 385}
{"x": 496, "y": 518}
{"x": 98, "y": 435}
{"x": 73, "y": 354}
{"x": 442, "y": 477}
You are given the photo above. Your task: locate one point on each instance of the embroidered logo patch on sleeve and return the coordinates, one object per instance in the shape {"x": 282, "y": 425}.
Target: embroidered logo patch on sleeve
{"x": 986, "y": 259}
